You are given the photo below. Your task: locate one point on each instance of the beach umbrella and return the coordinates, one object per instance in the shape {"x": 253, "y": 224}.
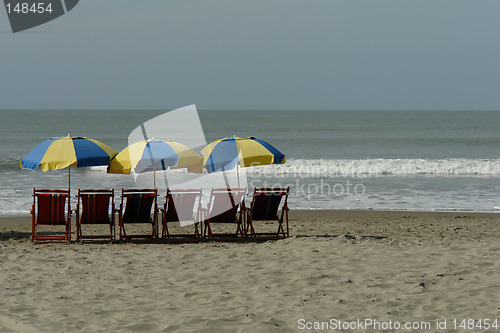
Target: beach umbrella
{"x": 229, "y": 153}
{"x": 154, "y": 155}
{"x": 67, "y": 151}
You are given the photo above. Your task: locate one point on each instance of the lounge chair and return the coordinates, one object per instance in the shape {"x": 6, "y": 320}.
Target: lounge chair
{"x": 264, "y": 207}
{"x": 226, "y": 206}
{"x": 138, "y": 207}
{"x": 182, "y": 206}
{"x": 95, "y": 208}
{"x": 50, "y": 208}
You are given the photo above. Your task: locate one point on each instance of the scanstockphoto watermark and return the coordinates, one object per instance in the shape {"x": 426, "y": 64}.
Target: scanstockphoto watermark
{"x": 364, "y": 324}
{"x": 316, "y": 169}
{"x": 369, "y": 324}
{"x": 313, "y": 190}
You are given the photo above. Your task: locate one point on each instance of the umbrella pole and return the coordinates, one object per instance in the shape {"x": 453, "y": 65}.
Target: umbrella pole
{"x": 69, "y": 199}
{"x": 238, "y": 173}
{"x": 237, "y": 163}
{"x": 69, "y": 179}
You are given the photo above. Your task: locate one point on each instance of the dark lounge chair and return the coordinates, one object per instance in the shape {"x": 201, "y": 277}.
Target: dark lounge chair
{"x": 226, "y": 206}
{"x": 264, "y": 207}
{"x": 138, "y": 207}
{"x": 182, "y": 206}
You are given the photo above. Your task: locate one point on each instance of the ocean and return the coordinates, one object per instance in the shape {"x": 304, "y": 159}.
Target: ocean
{"x": 369, "y": 160}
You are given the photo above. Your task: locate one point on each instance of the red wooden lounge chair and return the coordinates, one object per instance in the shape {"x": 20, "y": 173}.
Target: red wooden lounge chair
{"x": 50, "y": 208}
{"x": 138, "y": 207}
{"x": 182, "y": 206}
{"x": 95, "y": 210}
{"x": 264, "y": 207}
{"x": 225, "y": 206}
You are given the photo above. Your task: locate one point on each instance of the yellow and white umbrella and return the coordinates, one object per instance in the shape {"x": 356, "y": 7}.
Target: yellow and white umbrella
{"x": 155, "y": 155}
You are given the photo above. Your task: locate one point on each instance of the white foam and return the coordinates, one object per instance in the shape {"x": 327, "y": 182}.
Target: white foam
{"x": 15, "y": 212}
{"x": 374, "y": 167}
{"x": 101, "y": 168}
{"x": 371, "y": 167}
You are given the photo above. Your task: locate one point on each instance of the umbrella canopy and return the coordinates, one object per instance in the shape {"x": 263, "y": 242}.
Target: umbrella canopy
{"x": 226, "y": 154}
{"x": 62, "y": 152}
{"x": 154, "y": 155}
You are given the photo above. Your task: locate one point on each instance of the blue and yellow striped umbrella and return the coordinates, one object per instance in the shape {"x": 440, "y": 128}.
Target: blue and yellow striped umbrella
{"x": 155, "y": 155}
{"x": 226, "y": 154}
{"x": 62, "y": 152}
{"x": 65, "y": 152}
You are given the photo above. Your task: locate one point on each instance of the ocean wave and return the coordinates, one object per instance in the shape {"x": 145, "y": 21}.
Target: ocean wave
{"x": 100, "y": 168}
{"x": 15, "y": 212}
{"x": 373, "y": 167}
{"x": 9, "y": 163}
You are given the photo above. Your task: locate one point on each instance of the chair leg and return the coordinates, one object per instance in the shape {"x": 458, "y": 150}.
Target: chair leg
{"x": 165, "y": 231}
{"x": 239, "y": 231}
{"x": 252, "y": 230}
{"x": 287, "y": 226}
{"x": 197, "y": 231}
{"x": 68, "y": 231}
{"x": 79, "y": 232}
{"x": 123, "y": 234}
{"x": 33, "y": 225}
{"x": 280, "y": 231}
{"x": 209, "y": 230}
{"x": 35, "y": 239}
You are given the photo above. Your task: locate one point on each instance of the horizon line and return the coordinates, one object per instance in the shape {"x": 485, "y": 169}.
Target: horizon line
{"x": 248, "y": 109}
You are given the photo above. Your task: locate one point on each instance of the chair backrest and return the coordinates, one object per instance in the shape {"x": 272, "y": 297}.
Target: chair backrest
{"x": 51, "y": 207}
{"x": 224, "y": 204}
{"x": 266, "y": 202}
{"x": 95, "y": 206}
{"x": 181, "y": 204}
{"x": 138, "y": 205}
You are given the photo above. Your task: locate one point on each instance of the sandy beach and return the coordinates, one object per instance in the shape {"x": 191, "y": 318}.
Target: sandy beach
{"x": 347, "y": 266}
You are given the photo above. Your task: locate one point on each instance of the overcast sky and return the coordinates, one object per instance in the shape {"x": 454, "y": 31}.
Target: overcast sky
{"x": 257, "y": 54}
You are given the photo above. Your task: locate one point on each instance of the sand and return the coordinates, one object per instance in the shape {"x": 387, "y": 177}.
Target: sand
{"x": 402, "y": 267}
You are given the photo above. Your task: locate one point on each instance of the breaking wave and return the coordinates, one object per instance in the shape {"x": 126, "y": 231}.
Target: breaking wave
{"x": 372, "y": 167}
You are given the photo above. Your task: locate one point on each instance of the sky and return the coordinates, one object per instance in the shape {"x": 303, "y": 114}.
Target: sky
{"x": 257, "y": 54}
